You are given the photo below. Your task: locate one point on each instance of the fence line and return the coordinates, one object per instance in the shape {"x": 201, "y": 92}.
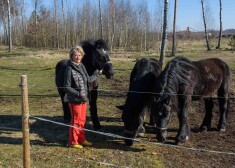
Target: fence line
{"x": 124, "y": 94}
{"x": 10, "y": 128}
{"x": 134, "y": 139}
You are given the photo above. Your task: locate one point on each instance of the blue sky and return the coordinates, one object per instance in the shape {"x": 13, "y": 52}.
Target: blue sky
{"x": 189, "y": 12}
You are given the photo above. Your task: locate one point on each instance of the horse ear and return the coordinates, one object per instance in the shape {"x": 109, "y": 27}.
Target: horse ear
{"x": 121, "y": 107}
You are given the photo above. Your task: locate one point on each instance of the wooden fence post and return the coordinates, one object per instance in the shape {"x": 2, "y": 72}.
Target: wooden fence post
{"x": 25, "y": 121}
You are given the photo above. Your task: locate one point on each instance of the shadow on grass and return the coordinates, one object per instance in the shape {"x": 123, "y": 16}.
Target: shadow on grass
{"x": 45, "y": 133}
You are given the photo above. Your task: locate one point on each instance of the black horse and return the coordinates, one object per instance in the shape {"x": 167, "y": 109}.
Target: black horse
{"x": 96, "y": 57}
{"x": 139, "y": 96}
{"x": 184, "y": 80}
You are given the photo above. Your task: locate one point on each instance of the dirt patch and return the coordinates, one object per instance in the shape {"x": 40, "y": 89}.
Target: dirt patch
{"x": 206, "y": 149}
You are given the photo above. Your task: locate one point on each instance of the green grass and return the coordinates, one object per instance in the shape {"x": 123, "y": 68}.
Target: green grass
{"x": 48, "y": 140}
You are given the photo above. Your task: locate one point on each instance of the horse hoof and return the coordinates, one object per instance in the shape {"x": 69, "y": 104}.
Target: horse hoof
{"x": 98, "y": 127}
{"x": 187, "y": 138}
{"x": 222, "y": 129}
{"x": 177, "y": 142}
{"x": 181, "y": 139}
{"x": 140, "y": 134}
{"x": 203, "y": 129}
{"x": 128, "y": 142}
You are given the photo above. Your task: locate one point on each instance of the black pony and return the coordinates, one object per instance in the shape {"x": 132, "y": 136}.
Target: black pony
{"x": 96, "y": 57}
{"x": 182, "y": 81}
{"x": 139, "y": 97}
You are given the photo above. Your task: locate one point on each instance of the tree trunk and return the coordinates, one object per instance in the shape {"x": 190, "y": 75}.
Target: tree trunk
{"x": 174, "y": 29}
{"x": 113, "y": 24}
{"x": 23, "y": 23}
{"x": 57, "y": 25}
{"x": 36, "y": 22}
{"x": 9, "y": 27}
{"x": 221, "y": 28}
{"x": 65, "y": 26}
{"x": 101, "y": 23}
{"x": 164, "y": 32}
{"x": 4, "y": 23}
{"x": 205, "y": 26}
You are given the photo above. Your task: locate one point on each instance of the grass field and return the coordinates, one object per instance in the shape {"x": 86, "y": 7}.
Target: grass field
{"x": 48, "y": 140}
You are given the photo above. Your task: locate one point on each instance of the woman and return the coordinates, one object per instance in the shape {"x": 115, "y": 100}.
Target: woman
{"x": 76, "y": 87}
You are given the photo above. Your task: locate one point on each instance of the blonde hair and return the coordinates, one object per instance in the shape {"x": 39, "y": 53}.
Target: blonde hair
{"x": 74, "y": 50}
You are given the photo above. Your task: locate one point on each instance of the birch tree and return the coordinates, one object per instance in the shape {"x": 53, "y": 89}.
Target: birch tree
{"x": 205, "y": 26}
{"x": 36, "y": 22}
{"x": 174, "y": 29}
{"x": 112, "y": 4}
{"x": 65, "y": 25}
{"x": 221, "y": 27}
{"x": 9, "y": 26}
{"x": 164, "y": 32}
{"x": 56, "y": 25}
{"x": 101, "y": 23}
{"x": 3, "y": 15}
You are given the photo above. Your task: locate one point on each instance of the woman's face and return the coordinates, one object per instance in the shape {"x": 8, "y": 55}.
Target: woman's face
{"x": 77, "y": 57}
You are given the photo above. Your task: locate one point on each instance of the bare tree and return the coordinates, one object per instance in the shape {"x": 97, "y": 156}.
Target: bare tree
{"x": 164, "y": 32}
{"x": 23, "y": 25}
{"x": 9, "y": 26}
{"x": 158, "y": 24}
{"x": 3, "y": 15}
{"x": 56, "y": 25}
{"x": 112, "y": 23}
{"x": 174, "y": 29}
{"x": 101, "y": 22}
{"x": 65, "y": 25}
{"x": 205, "y": 26}
{"x": 221, "y": 28}
{"x": 36, "y": 21}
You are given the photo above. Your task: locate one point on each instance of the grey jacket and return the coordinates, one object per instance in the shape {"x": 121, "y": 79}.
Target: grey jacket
{"x": 76, "y": 83}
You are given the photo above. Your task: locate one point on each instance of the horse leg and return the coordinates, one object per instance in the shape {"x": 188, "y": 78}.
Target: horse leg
{"x": 65, "y": 105}
{"x": 152, "y": 121}
{"x": 93, "y": 108}
{"x": 141, "y": 129}
{"x": 206, "y": 124}
{"x": 223, "y": 107}
{"x": 184, "y": 130}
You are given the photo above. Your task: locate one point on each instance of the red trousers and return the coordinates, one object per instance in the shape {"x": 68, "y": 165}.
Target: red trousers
{"x": 78, "y": 119}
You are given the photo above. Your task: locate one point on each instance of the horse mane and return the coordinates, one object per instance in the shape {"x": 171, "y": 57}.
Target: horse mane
{"x": 88, "y": 46}
{"x": 144, "y": 66}
{"x": 176, "y": 73}
{"x": 145, "y": 71}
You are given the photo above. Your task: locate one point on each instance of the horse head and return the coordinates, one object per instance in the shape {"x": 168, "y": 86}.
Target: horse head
{"x": 102, "y": 59}
{"x": 97, "y": 57}
{"x": 162, "y": 108}
{"x": 131, "y": 124}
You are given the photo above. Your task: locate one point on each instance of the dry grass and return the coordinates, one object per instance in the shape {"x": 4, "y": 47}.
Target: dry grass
{"x": 48, "y": 141}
